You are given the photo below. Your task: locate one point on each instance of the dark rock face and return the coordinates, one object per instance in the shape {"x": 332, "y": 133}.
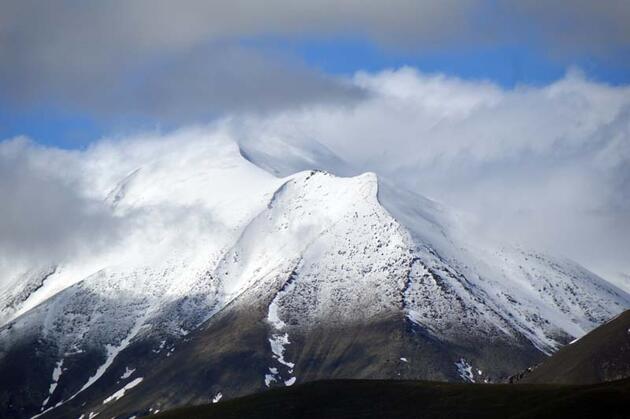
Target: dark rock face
{"x": 231, "y": 354}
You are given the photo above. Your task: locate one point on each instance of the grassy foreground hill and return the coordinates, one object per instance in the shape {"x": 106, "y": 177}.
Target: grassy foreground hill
{"x": 599, "y": 356}
{"x": 419, "y": 399}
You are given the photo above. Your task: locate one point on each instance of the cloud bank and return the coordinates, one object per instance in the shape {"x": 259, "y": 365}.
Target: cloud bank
{"x": 548, "y": 166}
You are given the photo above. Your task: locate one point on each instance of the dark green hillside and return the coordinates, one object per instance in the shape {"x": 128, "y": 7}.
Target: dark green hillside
{"x": 601, "y": 355}
{"x": 419, "y": 399}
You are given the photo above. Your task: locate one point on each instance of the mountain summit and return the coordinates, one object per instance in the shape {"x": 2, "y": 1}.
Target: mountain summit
{"x": 234, "y": 270}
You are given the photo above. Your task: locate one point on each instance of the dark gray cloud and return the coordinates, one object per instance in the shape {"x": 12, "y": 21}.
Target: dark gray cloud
{"x": 578, "y": 26}
{"x": 171, "y": 59}
{"x": 198, "y": 85}
{"x": 181, "y": 87}
{"x": 150, "y": 59}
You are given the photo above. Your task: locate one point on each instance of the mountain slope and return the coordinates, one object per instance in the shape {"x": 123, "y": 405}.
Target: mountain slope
{"x": 230, "y": 280}
{"x": 601, "y": 355}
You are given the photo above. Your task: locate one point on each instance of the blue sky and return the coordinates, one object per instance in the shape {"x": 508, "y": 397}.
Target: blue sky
{"x": 505, "y": 65}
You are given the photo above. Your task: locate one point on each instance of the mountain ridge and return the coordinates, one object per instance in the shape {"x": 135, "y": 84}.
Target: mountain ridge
{"x": 326, "y": 277}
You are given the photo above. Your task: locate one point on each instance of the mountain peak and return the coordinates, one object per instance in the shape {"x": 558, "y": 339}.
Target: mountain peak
{"x": 301, "y": 277}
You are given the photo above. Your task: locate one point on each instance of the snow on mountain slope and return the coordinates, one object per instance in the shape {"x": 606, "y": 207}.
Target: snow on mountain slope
{"x": 548, "y": 299}
{"x": 203, "y": 225}
{"x": 20, "y": 286}
{"x": 355, "y": 269}
{"x": 206, "y": 196}
{"x": 170, "y": 207}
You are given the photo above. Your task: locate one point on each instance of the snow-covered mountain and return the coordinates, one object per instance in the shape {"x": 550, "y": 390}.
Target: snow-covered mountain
{"x": 245, "y": 265}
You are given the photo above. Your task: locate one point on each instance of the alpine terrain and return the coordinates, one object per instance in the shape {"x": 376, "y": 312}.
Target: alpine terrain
{"x": 249, "y": 265}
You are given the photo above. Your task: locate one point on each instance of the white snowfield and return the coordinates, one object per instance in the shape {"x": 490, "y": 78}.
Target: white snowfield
{"x": 204, "y": 224}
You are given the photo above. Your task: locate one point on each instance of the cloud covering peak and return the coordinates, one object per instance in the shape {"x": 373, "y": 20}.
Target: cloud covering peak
{"x": 546, "y": 165}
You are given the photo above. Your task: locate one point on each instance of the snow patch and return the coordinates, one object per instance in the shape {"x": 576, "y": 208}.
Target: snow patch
{"x": 120, "y": 393}
{"x": 271, "y": 378}
{"x": 127, "y": 373}
{"x": 273, "y": 317}
{"x": 55, "y": 379}
{"x": 159, "y": 349}
{"x": 278, "y": 343}
{"x": 278, "y": 340}
{"x": 464, "y": 369}
{"x": 217, "y": 397}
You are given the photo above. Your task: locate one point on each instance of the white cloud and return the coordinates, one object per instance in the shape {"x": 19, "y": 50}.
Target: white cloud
{"x": 548, "y": 165}
{"x": 45, "y": 216}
